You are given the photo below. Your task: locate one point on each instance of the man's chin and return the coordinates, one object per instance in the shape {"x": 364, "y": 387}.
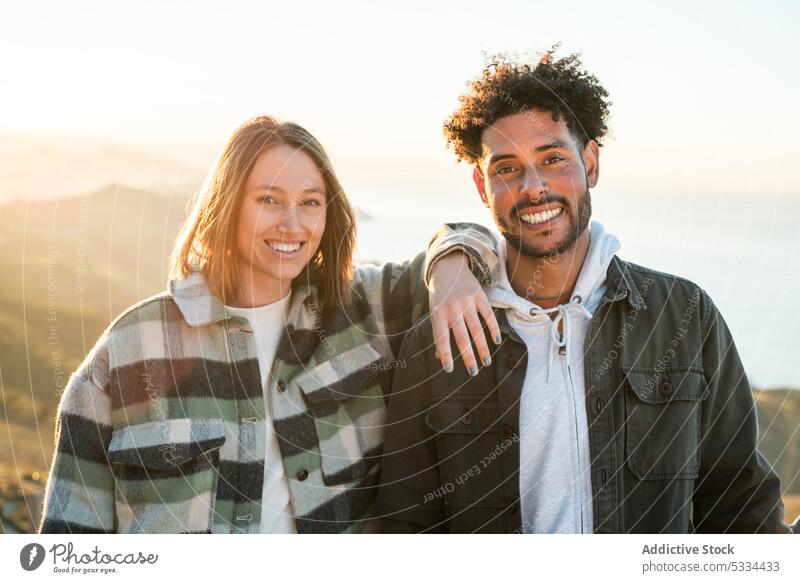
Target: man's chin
{"x": 536, "y": 249}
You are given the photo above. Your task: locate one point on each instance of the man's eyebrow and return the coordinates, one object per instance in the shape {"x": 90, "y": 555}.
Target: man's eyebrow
{"x": 555, "y": 144}
{"x": 494, "y": 158}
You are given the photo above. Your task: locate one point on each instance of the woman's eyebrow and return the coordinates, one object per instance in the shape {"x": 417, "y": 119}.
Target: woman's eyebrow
{"x": 280, "y": 189}
{"x": 268, "y": 187}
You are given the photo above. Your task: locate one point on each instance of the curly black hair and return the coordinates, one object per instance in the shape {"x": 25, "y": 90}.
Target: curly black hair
{"x": 505, "y": 88}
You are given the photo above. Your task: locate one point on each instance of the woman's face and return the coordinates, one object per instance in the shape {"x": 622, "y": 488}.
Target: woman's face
{"x": 282, "y": 218}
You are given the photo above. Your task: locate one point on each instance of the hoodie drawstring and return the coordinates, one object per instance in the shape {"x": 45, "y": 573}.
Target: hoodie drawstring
{"x": 561, "y": 340}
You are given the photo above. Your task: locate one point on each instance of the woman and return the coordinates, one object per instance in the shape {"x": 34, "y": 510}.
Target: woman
{"x": 250, "y": 397}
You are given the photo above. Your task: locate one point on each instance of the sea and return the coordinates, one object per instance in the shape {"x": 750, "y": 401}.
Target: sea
{"x": 743, "y": 250}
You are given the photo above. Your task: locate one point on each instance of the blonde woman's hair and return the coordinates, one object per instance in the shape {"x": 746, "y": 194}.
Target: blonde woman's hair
{"x": 206, "y": 240}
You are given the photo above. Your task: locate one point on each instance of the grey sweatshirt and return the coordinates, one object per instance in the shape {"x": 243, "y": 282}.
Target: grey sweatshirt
{"x": 555, "y": 484}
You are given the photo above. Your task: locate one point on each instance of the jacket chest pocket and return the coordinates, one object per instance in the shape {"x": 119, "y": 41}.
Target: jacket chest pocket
{"x": 346, "y": 398}
{"x": 166, "y": 475}
{"x": 469, "y": 444}
{"x": 663, "y": 413}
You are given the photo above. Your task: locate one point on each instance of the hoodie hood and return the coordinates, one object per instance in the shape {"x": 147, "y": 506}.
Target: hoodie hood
{"x": 588, "y": 288}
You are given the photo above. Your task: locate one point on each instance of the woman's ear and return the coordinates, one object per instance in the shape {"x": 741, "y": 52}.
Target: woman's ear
{"x": 591, "y": 162}
{"x": 477, "y": 177}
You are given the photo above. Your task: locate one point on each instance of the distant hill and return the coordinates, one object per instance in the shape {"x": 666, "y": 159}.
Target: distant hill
{"x": 39, "y": 168}
{"x": 779, "y": 428}
{"x": 69, "y": 267}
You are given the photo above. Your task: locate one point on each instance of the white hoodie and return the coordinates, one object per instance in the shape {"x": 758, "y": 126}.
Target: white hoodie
{"x": 555, "y": 483}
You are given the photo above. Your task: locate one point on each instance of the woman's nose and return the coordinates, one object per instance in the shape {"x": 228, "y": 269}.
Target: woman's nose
{"x": 289, "y": 222}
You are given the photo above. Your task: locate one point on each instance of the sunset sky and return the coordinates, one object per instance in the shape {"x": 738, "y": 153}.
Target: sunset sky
{"x": 703, "y": 93}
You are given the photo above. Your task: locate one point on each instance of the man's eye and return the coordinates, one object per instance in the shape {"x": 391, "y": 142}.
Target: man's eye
{"x": 504, "y": 170}
{"x": 554, "y": 159}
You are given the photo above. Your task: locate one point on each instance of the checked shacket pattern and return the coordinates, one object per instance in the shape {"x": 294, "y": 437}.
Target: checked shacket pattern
{"x": 162, "y": 428}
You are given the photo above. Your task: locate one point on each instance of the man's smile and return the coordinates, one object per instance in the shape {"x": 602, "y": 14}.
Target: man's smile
{"x": 539, "y": 217}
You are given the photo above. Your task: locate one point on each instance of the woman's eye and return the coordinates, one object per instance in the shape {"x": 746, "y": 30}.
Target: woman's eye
{"x": 312, "y": 202}
{"x": 266, "y": 199}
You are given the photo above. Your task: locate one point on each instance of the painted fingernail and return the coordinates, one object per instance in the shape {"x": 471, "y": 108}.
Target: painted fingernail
{"x": 487, "y": 361}
{"x": 498, "y": 339}
{"x": 448, "y": 366}
{"x": 473, "y": 370}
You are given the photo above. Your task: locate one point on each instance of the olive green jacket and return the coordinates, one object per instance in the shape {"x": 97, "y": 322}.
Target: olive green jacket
{"x": 672, "y": 424}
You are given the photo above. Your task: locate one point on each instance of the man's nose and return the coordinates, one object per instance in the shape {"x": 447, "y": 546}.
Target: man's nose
{"x": 534, "y": 185}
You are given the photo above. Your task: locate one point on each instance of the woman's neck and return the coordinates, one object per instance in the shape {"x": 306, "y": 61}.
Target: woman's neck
{"x": 254, "y": 292}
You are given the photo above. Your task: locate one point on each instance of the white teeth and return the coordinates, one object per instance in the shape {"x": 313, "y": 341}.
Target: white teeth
{"x": 285, "y": 247}
{"x": 541, "y": 217}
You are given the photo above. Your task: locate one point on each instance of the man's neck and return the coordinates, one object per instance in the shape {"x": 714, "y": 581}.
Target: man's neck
{"x": 547, "y": 281}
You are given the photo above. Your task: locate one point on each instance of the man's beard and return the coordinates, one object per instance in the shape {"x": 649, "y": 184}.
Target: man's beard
{"x": 577, "y": 225}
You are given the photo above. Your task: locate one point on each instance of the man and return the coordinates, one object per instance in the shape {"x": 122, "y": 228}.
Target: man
{"x": 616, "y": 402}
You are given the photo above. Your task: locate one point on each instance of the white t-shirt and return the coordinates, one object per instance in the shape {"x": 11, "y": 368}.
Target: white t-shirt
{"x": 268, "y": 323}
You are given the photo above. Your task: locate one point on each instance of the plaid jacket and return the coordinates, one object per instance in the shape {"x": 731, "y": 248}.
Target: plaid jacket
{"x": 162, "y": 427}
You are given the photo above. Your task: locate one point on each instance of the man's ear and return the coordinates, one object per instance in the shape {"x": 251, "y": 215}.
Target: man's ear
{"x": 591, "y": 162}
{"x": 477, "y": 177}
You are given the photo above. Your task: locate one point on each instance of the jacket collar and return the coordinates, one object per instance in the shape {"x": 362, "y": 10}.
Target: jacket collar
{"x": 200, "y": 307}
{"x": 620, "y": 284}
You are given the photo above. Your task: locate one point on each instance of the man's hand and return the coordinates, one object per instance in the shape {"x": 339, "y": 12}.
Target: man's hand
{"x": 456, "y": 300}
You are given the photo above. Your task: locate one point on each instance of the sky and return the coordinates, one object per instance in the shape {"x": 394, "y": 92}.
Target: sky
{"x": 703, "y": 92}
{"x": 702, "y": 151}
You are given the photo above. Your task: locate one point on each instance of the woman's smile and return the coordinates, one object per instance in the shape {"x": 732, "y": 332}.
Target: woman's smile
{"x": 284, "y": 249}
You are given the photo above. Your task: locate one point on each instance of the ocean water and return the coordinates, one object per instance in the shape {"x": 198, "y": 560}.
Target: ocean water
{"x": 743, "y": 250}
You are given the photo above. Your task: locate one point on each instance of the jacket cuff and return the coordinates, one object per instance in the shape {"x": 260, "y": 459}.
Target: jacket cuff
{"x": 476, "y": 241}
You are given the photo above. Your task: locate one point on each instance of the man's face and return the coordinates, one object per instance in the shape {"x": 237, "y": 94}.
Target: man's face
{"x": 535, "y": 178}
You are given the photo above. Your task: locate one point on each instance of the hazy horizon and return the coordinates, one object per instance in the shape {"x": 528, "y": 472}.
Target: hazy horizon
{"x": 702, "y": 95}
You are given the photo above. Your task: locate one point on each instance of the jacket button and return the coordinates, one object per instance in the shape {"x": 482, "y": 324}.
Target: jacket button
{"x": 665, "y": 388}
{"x": 512, "y": 362}
{"x": 598, "y": 405}
{"x": 467, "y": 418}
{"x": 302, "y": 474}
{"x": 281, "y": 385}
{"x": 508, "y": 430}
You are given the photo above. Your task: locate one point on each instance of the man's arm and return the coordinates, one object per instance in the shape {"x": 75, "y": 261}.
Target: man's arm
{"x": 408, "y": 497}
{"x": 737, "y": 490}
